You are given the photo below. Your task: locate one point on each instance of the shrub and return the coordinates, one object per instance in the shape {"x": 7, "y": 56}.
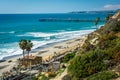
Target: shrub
{"x": 108, "y": 17}
{"x": 107, "y": 40}
{"x": 68, "y": 57}
{"x": 105, "y": 75}
{"x": 67, "y": 77}
{"x": 87, "y": 64}
{"x": 43, "y": 77}
{"x": 35, "y": 78}
{"x": 117, "y": 57}
{"x": 87, "y": 46}
{"x": 98, "y": 58}
{"x": 51, "y": 74}
{"x": 116, "y": 28}
{"x": 110, "y": 26}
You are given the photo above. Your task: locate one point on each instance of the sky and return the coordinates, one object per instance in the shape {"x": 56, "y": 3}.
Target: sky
{"x": 56, "y": 6}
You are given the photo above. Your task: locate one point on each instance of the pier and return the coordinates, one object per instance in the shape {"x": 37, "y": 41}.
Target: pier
{"x": 65, "y": 20}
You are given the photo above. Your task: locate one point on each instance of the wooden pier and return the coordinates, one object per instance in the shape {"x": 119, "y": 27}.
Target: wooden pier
{"x": 65, "y": 20}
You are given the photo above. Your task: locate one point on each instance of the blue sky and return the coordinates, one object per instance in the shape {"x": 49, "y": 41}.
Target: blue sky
{"x": 56, "y": 6}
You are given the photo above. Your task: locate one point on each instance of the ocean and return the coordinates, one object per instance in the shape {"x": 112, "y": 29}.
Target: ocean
{"x": 14, "y": 27}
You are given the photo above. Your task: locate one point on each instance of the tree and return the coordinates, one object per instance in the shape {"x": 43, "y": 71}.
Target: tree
{"x": 108, "y": 17}
{"x": 97, "y": 20}
{"x": 22, "y": 45}
{"x": 29, "y": 46}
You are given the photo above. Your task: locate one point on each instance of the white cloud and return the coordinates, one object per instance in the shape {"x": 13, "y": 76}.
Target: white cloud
{"x": 111, "y": 7}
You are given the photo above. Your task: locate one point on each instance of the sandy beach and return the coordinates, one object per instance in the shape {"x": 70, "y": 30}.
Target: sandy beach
{"x": 46, "y": 53}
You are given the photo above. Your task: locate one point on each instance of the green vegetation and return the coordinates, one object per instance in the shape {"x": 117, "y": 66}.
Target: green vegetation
{"x": 22, "y": 45}
{"x": 94, "y": 60}
{"x": 60, "y": 71}
{"x": 25, "y": 45}
{"x": 116, "y": 28}
{"x": 44, "y": 77}
{"x": 68, "y": 57}
{"x": 40, "y": 77}
{"x": 67, "y": 77}
{"x": 105, "y": 75}
{"x": 108, "y": 17}
{"x": 50, "y": 75}
{"x": 54, "y": 74}
{"x": 87, "y": 46}
{"x": 97, "y": 20}
{"x": 35, "y": 78}
{"x": 88, "y": 64}
{"x": 29, "y": 46}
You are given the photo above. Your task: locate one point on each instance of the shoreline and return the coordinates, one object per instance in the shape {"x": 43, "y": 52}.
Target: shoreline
{"x": 40, "y": 48}
{"x": 14, "y": 50}
{"x": 47, "y": 52}
{"x": 34, "y": 50}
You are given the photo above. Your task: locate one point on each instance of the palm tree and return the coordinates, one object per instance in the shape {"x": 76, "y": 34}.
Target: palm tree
{"x": 22, "y": 45}
{"x": 29, "y": 46}
{"x": 108, "y": 17}
{"x": 97, "y": 20}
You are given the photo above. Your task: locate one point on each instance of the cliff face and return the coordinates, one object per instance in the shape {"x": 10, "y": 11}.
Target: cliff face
{"x": 109, "y": 28}
{"x": 117, "y": 16}
{"x": 100, "y": 54}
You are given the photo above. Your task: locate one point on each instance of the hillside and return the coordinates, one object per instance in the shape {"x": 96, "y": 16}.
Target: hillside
{"x": 99, "y": 58}
{"x": 102, "y": 12}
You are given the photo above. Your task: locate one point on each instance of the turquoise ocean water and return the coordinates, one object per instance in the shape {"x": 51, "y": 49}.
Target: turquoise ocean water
{"x": 14, "y": 27}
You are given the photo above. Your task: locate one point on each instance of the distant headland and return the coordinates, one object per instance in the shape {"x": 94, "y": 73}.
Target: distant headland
{"x": 101, "y": 11}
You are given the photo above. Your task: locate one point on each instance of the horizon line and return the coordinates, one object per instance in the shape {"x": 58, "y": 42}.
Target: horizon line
{"x": 56, "y": 12}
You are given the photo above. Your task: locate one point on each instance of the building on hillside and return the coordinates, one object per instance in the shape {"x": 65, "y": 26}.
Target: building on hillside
{"x": 30, "y": 61}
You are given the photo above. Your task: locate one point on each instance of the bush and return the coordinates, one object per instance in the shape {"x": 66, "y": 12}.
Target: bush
{"x": 51, "y": 74}
{"x": 67, "y": 77}
{"x": 94, "y": 60}
{"x": 105, "y": 75}
{"x": 116, "y": 28}
{"x": 41, "y": 77}
{"x": 88, "y": 64}
{"x": 107, "y": 40}
{"x": 98, "y": 58}
{"x": 87, "y": 46}
{"x": 35, "y": 78}
{"x": 111, "y": 26}
{"x": 68, "y": 57}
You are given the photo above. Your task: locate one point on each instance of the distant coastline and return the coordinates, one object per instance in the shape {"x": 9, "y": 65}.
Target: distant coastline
{"x": 101, "y": 11}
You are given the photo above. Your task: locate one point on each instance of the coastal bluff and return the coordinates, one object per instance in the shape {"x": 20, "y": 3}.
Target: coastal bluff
{"x": 99, "y": 57}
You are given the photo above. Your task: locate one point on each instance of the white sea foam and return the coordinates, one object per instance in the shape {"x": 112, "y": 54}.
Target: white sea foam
{"x": 10, "y": 52}
{"x": 73, "y": 34}
{"x": 58, "y": 36}
{"x": 10, "y": 49}
{"x": 11, "y": 32}
{"x": 98, "y": 26}
{"x": 40, "y": 34}
{"x": 37, "y": 34}
{"x": 47, "y": 38}
{"x": 13, "y": 49}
